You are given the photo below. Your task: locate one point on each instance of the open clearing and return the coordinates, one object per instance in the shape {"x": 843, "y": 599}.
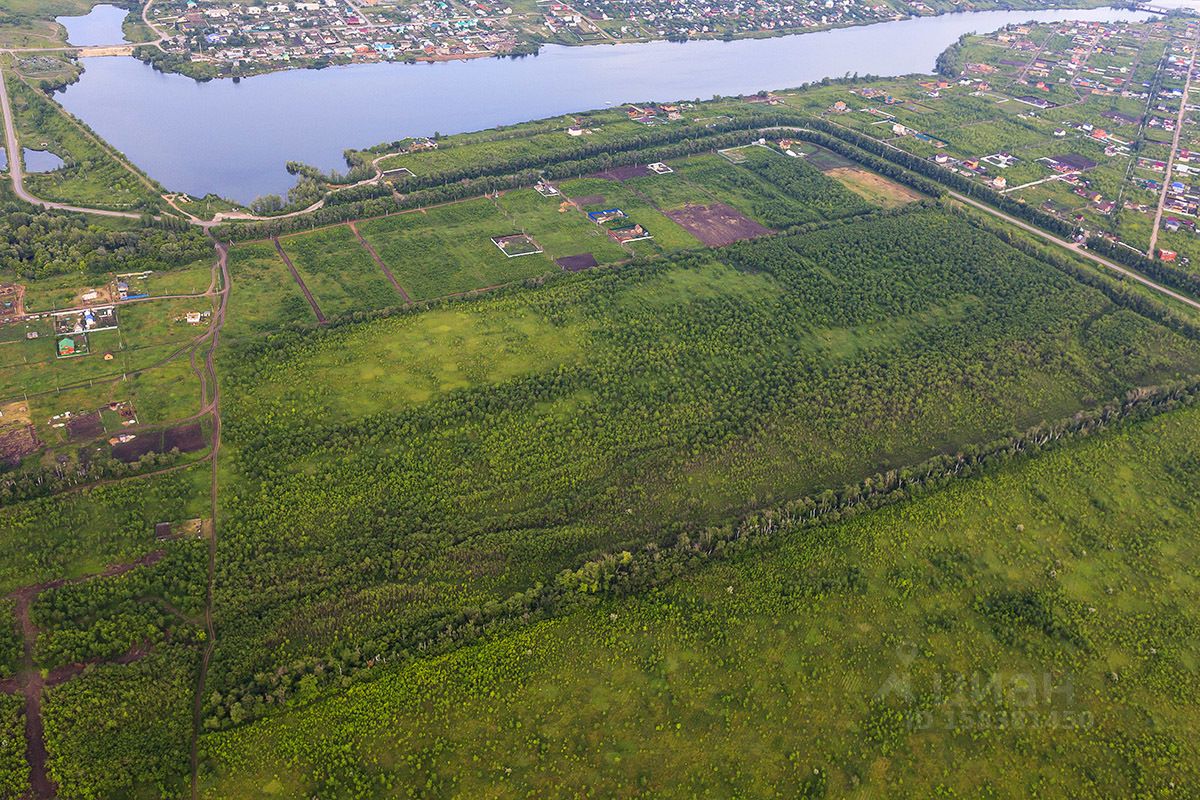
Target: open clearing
{"x": 718, "y": 224}
{"x": 874, "y": 187}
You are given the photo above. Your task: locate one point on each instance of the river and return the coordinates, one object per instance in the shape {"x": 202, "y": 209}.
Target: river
{"x": 233, "y": 139}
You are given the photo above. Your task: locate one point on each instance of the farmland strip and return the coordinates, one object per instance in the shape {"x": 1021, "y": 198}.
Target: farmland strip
{"x": 312, "y": 301}
{"x": 370, "y": 249}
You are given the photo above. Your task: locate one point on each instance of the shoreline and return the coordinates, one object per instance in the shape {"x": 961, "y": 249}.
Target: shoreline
{"x": 536, "y": 47}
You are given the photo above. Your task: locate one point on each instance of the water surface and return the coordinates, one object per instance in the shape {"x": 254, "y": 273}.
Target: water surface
{"x": 233, "y": 139}
{"x": 102, "y": 25}
{"x": 40, "y": 160}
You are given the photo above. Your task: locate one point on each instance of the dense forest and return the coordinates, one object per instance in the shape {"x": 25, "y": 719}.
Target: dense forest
{"x": 38, "y": 244}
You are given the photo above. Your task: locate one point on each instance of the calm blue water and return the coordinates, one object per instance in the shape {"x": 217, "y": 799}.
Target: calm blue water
{"x": 35, "y": 160}
{"x": 233, "y": 139}
{"x": 41, "y": 160}
{"x": 102, "y": 25}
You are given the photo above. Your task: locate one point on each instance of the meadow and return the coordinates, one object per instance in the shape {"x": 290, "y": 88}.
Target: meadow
{"x": 267, "y": 298}
{"x": 370, "y": 467}
{"x": 1032, "y": 627}
{"x": 340, "y": 272}
{"x": 448, "y": 249}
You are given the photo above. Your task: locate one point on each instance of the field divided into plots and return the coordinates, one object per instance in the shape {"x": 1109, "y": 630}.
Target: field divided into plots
{"x": 511, "y": 436}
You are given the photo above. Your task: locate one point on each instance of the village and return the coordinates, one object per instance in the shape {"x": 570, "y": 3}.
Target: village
{"x": 1092, "y": 122}
{"x": 247, "y": 37}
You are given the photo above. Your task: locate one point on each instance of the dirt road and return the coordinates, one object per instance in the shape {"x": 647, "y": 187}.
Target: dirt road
{"x": 1162, "y": 197}
{"x": 379, "y": 261}
{"x": 312, "y": 301}
{"x": 210, "y": 629}
{"x": 13, "y": 145}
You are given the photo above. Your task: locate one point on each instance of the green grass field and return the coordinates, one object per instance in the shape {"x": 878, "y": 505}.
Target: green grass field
{"x": 1033, "y": 628}
{"x": 448, "y": 249}
{"x": 267, "y": 298}
{"x": 339, "y": 272}
{"x": 368, "y": 468}
{"x": 561, "y": 232}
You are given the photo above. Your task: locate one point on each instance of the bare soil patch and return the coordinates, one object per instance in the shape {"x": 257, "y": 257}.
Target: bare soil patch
{"x": 15, "y": 412}
{"x": 718, "y": 224}
{"x": 85, "y": 426}
{"x": 188, "y": 438}
{"x": 12, "y": 301}
{"x": 136, "y": 448}
{"x": 16, "y": 442}
{"x": 576, "y": 263}
{"x": 588, "y": 200}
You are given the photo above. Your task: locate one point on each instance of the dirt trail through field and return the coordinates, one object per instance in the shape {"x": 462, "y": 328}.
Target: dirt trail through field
{"x": 222, "y": 266}
{"x": 30, "y": 681}
{"x": 312, "y": 301}
{"x": 370, "y": 249}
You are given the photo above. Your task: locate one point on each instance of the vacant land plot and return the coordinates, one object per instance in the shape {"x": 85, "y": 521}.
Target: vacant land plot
{"x": 668, "y": 236}
{"x": 17, "y": 440}
{"x": 512, "y": 436}
{"x": 192, "y": 279}
{"x": 340, "y": 272}
{"x": 85, "y": 426}
{"x": 577, "y": 262}
{"x": 448, "y": 249}
{"x": 560, "y": 229}
{"x": 187, "y": 438}
{"x": 267, "y": 298}
{"x": 717, "y": 225}
{"x": 774, "y": 189}
{"x": 1038, "y": 657}
{"x": 873, "y": 187}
